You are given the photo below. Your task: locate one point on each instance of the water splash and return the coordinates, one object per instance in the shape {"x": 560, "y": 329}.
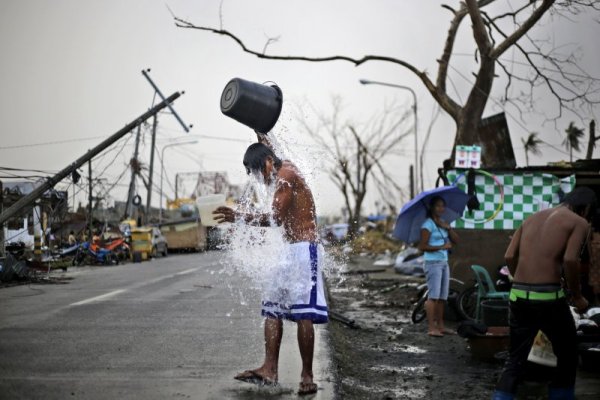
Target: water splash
{"x": 261, "y": 254}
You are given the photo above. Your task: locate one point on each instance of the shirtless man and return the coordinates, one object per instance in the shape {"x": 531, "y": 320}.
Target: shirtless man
{"x": 293, "y": 209}
{"x": 546, "y": 245}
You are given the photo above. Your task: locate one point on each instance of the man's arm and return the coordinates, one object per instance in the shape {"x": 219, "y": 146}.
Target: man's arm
{"x": 571, "y": 259}
{"x": 226, "y": 214}
{"x": 512, "y": 252}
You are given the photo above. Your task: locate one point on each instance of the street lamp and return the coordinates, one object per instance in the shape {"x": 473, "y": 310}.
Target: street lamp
{"x": 162, "y": 168}
{"x": 368, "y": 82}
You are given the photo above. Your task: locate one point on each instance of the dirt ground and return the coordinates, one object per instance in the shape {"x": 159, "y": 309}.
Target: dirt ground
{"x": 389, "y": 357}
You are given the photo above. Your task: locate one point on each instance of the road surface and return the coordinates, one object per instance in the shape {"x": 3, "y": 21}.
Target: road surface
{"x": 172, "y": 328}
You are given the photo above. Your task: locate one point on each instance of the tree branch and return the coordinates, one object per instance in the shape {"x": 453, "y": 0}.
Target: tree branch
{"x": 479, "y": 32}
{"x": 440, "y": 96}
{"x": 535, "y": 16}
{"x": 444, "y": 60}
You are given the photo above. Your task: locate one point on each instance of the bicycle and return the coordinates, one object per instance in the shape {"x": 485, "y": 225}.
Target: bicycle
{"x": 419, "y": 312}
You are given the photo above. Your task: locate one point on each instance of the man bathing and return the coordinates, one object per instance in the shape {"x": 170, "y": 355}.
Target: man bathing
{"x": 293, "y": 209}
{"x": 547, "y": 245}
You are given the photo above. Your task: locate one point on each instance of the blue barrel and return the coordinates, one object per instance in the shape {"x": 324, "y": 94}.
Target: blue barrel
{"x": 255, "y": 105}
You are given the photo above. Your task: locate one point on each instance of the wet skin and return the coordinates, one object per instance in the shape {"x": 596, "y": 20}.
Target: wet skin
{"x": 294, "y": 210}
{"x": 546, "y": 242}
{"x": 293, "y": 204}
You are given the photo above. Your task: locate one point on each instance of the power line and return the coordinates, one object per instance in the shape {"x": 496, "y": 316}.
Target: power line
{"x": 20, "y": 146}
{"x": 26, "y": 170}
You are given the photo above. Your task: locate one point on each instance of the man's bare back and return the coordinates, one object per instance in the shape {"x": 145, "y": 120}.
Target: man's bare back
{"x": 293, "y": 205}
{"x": 546, "y": 242}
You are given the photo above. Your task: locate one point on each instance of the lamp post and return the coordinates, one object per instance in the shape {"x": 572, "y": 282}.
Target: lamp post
{"x": 162, "y": 169}
{"x": 416, "y": 168}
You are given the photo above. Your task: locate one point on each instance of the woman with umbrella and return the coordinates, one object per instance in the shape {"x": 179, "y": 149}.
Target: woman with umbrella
{"x": 437, "y": 237}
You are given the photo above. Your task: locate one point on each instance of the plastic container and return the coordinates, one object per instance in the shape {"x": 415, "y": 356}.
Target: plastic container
{"x": 486, "y": 347}
{"x": 253, "y": 104}
{"x": 206, "y": 206}
{"x": 495, "y": 312}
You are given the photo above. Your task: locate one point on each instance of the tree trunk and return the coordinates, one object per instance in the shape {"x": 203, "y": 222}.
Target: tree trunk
{"x": 354, "y": 217}
{"x": 592, "y": 140}
{"x": 467, "y": 132}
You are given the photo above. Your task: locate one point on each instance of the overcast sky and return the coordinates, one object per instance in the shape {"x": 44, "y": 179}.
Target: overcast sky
{"x": 70, "y": 71}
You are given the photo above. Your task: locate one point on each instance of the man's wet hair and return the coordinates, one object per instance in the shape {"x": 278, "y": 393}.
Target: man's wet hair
{"x": 583, "y": 201}
{"x": 256, "y": 157}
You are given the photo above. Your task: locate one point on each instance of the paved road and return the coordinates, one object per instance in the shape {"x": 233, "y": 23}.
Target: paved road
{"x": 172, "y": 328}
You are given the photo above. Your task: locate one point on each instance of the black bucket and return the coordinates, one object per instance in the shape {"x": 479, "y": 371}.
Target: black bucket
{"x": 253, "y": 104}
{"x": 495, "y": 312}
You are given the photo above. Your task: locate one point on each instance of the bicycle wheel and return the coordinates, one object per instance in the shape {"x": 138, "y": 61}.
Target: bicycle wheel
{"x": 467, "y": 303}
{"x": 419, "y": 313}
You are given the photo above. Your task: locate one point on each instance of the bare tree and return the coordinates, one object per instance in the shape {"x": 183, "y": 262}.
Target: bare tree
{"x": 573, "y": 138}
{"x": 531, "y": 145}
{"x": 357, "y": 153}
{"x": 545, "y": 67}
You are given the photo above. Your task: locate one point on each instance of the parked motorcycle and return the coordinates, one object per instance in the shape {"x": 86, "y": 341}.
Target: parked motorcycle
{"x": 95, "y": 254}
{"x": 119, "y": 247}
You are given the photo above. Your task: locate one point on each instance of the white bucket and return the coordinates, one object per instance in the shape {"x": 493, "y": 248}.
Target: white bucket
{"x": 542, "y": 352}
{"x": 206, "y": 206}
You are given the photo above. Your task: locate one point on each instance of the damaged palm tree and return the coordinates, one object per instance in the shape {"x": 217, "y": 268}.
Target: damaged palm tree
{"x": 572, "y": 140}
{"x": 531, "y": 145}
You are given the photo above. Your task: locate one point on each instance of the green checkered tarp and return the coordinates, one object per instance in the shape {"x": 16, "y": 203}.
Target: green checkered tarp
{"x": 524, "y": 194}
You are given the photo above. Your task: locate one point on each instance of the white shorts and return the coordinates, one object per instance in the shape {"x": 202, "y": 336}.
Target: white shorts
{"x": 296, "y": 290}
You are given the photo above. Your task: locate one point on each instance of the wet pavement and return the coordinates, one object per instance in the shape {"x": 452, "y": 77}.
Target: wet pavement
{"x": 392, "y": 358}
{"x": 172, "y": 328}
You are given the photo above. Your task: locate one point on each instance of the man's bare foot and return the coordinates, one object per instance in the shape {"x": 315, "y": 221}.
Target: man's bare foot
{"x": 447, "y": 331}
{"x": 307, "y": 386}
{"x": 258, "y": 377}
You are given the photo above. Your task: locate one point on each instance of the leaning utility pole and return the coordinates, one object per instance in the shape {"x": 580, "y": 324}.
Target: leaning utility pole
{"x": 152, "y": 148}
{"x": 134, "y": 171}
{"x": 51, "y": 182}
{"x": 90, "y": 199}
{"x": 152, "y": 151}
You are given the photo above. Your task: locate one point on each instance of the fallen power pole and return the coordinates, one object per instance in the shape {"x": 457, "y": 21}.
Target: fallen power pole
{"x": 51, "y": 182}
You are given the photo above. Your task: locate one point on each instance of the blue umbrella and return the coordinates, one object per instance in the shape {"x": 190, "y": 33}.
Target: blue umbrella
{"x": 414, "y": 213}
